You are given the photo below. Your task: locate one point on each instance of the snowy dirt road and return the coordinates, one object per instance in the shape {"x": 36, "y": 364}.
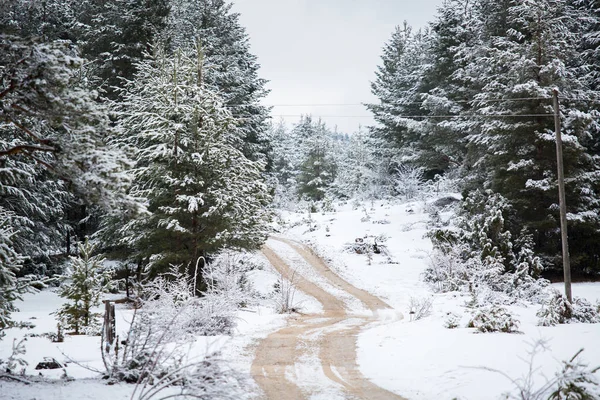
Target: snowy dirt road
{"x": 282, "y": 365}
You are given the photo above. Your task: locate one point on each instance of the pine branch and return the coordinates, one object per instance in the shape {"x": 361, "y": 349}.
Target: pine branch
{"x": 25, "y": 148}
{"x": 27, "y": 131}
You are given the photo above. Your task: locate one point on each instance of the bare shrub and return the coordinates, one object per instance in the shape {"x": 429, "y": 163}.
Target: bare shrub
{"x": 156, "y": 352}
{"x": 285, "y": 291}
{"x": 420, "y": 308}
{"x": 408, "y": 181}
{"x": 448, "y": 271}
{"x": 226, "y": 277}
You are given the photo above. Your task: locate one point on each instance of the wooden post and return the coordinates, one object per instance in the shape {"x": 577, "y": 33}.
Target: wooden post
{"x": 561, "y": 195}
{"x": 109, "y": 324}
{"x": 68, "y": 242}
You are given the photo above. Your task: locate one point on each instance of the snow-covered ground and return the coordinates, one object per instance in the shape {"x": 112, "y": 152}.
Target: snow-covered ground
{"x": 422, "y": 360}
{"x": 82, "y": 357}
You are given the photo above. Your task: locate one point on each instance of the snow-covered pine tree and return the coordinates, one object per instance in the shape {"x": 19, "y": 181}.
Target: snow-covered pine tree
{"x": 589, "y": 24}
{"x": 590, "y": 44}
{"x": 446, "y": 89}
{"x": 285, "y": 159}
{"x": 202, "y": 194}
{"x": 86, "y": 281}
{"x": 49, "y": 19}
{"x": 481, "y": 254}
{"x": 528, "y": 48}
{"x": 230, "y": 70}
{"x": 114, "y": 34}
{"x": 52, "y": 141}
{"x": 10, "y": 263}
{"x": 316, "y": 167}
{"x": 360, "y": 173}
{"x": 396, "y": 86}
{"x": 36, "y": 202}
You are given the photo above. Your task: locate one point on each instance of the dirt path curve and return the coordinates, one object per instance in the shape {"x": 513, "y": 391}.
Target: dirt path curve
{"x": 273, "y": 367}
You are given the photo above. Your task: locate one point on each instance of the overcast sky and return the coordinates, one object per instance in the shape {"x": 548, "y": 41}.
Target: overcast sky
{"x": 325, "y": 51}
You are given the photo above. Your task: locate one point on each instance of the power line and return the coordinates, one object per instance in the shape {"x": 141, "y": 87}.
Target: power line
{"x": 417, "y": 102}
{"x": 421, "y": 116}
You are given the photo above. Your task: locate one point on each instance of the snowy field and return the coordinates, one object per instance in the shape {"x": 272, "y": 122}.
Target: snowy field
{"x": 82, "y": 357}
{"x": 422, "y": 360}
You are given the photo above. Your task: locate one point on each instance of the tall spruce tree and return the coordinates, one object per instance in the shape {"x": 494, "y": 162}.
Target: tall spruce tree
{"x": 446, "y": 88}
{"x": 230, "y": 67}
{"x": 52, "y": 139}
{"x": 201, "y": 192}
{"x": 285, "y": 158}
{"x": 396, "y": 86}
{"x": 516, "y": 68}
{"x": 589, "y": 23}
{"x": 114, "y": 34}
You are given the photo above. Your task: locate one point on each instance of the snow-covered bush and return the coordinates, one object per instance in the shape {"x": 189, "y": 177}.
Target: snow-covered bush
{"x": 408, "y": 181}
{"x": 480, "y": 252}
{"x": 369, "y": 245}
{"x": 452, "y": 321}
{"x": 449, "y": 270}
{"x": 172, "y": 316}
{"x": 446, "y": 183}
{"x": 584, "y": 311}
{"x": 420, "y": 308}
{"x": 15, "y": 360}
{"x": 86, "y": 280}
{"x": 557, "y": 310}
{"x": 158, "y": 358}
{"x": 205, "y": 379}
{"x": 226, "y": 276}
{"x": 493, "y": 319}
{"x": 173, "y": 294}
{"x": 576, "y": 380}
{"x": 155, "y": 328}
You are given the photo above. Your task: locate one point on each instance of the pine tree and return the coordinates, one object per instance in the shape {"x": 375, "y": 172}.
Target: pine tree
{"x": 36, "y": 201}
{"x": 360, "y": 172}
{"x": 285, "y": 159}
{"x": 114, "y": 34}
{"x": 201, "y": 192}
{"x": 86, "y": 281}
{"x": 49, "y": 19}
{"x": 52, "y": 141}
{"x": 397, "y": 87}
{"x": 527, "y": 60}
{"x": 231, "y": 69}
{"x": 284, "y": 154}
{"x": 10, "y": 264}
{"x": 589, "y": 25}
{"x": 316, "y": 167}
{"x": 447, "y": 88}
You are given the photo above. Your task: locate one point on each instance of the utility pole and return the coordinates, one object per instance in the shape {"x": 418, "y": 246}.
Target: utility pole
{"x": 561, "y": 195}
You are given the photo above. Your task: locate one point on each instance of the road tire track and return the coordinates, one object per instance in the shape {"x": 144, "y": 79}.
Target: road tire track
{"x": 277, "y": 354}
